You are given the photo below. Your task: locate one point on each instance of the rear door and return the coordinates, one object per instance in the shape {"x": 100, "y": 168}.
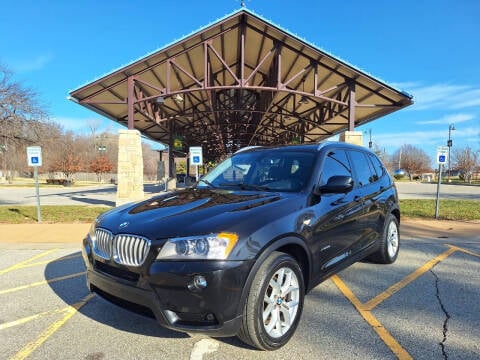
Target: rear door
{"x": 369, "y": 190}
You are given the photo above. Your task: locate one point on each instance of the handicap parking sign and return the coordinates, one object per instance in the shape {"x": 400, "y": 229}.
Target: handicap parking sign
{"x": 442, "y": 155}
{"x": 196, "y": 155}
{"x": 34, "y": 156}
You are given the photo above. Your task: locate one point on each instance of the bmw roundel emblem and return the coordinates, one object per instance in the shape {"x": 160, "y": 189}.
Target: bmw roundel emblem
{"x": 123, "y": 225}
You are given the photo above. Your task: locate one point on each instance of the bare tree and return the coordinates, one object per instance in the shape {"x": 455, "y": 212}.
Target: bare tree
{"x": 21, "y": 119}
{"x": 68, "y": 156}
{"x": 465, "y": 160}
{"x": 413, "y": 160}
{"x": 150, "y": 162}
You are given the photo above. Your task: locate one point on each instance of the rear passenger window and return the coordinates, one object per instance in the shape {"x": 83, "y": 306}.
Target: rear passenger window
{"x": 363, "y": 168}
{"x": 377, "y": 165}
{"x": 336, "y": 163}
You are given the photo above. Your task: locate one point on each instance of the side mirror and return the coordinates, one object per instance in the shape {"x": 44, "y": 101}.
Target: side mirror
{"x": 336, "y": 185}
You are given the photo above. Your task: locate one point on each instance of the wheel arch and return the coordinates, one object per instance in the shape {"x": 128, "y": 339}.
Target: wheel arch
{"x": 396, "y": 212}
{"x": 291, "y": 245}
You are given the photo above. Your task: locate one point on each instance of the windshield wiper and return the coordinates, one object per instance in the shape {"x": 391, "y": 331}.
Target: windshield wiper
{"x": 244, "y": 186}
{"x": 206, "y": 182}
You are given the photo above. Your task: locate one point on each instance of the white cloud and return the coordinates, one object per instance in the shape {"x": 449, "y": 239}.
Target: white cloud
{"x": 429, "y": 139}
{"x": 406, "y": 85}
{"x": 448, "y": 119}
{"x": 442, "y": 96}
{"x": 33, "y": 64}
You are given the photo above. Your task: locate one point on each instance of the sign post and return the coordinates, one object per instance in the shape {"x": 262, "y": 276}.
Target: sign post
{"x": 442, "y": 159}
{"x": 34, "y": 158}
{"x": 196, "y": 158}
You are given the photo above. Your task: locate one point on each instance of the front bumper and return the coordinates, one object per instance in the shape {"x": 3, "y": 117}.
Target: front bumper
{"x": 164, "y": 290}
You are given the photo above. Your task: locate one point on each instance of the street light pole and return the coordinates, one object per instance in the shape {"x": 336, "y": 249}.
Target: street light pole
{"x": 370, "y": 143}
{"x": 451, "y": 128}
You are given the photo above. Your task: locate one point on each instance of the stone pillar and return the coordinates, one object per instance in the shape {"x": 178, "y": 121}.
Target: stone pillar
{"x": 352, "y": 137}
{"x": 130, "y": 167}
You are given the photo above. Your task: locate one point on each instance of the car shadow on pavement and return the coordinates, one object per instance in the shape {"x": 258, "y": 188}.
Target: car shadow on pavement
{"x": 71, "y": 288}
{"x": 91, "y": 201}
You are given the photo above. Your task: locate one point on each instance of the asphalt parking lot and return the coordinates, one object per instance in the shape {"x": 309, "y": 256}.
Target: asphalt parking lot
{"x": 425, "y": 306}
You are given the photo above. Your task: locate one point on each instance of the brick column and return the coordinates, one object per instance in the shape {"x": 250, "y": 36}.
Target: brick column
{"x": 130, "y": 167}
{"x": 352, "y": 137}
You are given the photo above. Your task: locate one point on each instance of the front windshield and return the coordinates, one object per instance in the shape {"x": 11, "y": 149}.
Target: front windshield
{"x": 277, "y": 170}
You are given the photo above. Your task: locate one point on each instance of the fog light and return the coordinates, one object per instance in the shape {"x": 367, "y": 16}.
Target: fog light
{"x": 198, "y": 283}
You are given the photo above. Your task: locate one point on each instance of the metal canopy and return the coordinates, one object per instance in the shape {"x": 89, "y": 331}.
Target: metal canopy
{"x": 240, "y": 81}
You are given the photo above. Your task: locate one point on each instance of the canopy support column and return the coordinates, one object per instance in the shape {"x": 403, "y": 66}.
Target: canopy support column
{"x": 131, "y": 102}
{"x": 351, "y": 106}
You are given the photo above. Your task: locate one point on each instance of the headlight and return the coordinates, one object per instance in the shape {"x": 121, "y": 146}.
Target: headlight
{"x": 212, "y": 247}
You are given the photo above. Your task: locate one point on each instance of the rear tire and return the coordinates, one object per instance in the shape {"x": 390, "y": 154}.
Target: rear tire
{"x": 389, "y": 242}
{"x": 274, "y": 303}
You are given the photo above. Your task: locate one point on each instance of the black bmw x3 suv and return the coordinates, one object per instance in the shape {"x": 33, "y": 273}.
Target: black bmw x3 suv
{"x": 236, "y": 253}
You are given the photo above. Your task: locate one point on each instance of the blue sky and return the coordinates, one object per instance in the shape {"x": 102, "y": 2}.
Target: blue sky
{"x": 429, "y": 48}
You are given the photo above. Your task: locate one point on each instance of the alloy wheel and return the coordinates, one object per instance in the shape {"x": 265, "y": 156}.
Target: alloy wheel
{"x": 280, "y": 302}
{"x": 392, "y": 239}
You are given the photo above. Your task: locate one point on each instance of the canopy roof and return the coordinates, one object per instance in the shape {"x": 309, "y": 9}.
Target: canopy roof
{"x": 240, "y": 81}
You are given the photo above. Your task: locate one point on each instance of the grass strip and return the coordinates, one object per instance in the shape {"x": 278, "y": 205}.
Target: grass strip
{"x": 12, "y": 214}
{"x": 448, "y": 209}
{"x": 416, "y": 208}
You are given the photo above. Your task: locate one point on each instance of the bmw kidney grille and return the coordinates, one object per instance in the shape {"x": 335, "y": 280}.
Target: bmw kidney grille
{"x": 125, "y": 249}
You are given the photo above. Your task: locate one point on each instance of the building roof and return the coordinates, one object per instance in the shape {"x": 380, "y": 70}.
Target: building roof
{"x": 240, "y": 81}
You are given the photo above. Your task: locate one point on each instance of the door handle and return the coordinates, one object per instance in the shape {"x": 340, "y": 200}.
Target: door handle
{"x": 357, "y": 198}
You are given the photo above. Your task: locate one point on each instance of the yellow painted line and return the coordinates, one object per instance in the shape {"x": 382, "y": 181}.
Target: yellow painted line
{"x": 369, "y": 305}
{"x": 31, "y": 318}
{"x": 43, "y": 282}
{"x": 464, "y": 250}
{"x": 23, "y": 263}
{"x": 383, "y": 333}
{"x": 50, "y": 261}
{"x": 49, "y": 331}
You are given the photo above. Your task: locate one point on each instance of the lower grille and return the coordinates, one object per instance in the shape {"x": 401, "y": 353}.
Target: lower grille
{"x": 137, "y": 308}
{"x": 116, "y": 271}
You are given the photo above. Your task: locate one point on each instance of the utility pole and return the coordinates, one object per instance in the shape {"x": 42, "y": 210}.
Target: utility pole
{"x": 399, "y": 158}
{"x": 451, "y": 128}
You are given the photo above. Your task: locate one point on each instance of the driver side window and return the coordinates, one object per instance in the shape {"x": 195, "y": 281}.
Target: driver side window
{"x": 336, "y": 163}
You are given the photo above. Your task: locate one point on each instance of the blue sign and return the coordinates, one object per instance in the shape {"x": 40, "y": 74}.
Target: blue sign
{"x": 196, "y": 155}
{"x": 34, "y": 159}
{"x": 442, "y": 159}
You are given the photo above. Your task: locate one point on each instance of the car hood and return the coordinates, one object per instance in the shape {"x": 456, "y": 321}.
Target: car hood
{"x": 197, "y": 211}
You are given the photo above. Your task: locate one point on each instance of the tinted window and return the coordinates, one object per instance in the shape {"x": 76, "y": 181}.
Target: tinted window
{"x": 270, "y": 169}
{"x": 336, "y": 163}
{"x": 377, "y": 165}
{"x": 361, "y": 164}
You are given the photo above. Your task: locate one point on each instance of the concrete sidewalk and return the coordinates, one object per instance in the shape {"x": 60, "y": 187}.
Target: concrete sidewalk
{"x": 32, "y": 235}
{"x": 39, "y": 236}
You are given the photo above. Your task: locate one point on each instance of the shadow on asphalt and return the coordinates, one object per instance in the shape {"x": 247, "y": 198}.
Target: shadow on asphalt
{"x": 73, "y": 290}
{"x": 98, "y": 309}
{"x": 93, "y": 196}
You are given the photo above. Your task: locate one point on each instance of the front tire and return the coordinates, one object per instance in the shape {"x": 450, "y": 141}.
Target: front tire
{"x": 274, "y": 303}
{"x": 389, "y": 246}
